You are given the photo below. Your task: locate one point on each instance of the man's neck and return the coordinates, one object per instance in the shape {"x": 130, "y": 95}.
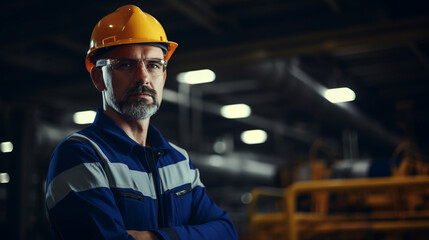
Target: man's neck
{"x": 136, "y": 129}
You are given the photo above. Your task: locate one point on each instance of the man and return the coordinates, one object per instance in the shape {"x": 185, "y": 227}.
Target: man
{"x": 119, "y": 178}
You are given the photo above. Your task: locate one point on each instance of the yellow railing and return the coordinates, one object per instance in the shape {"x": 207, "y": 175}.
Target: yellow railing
{"x": 399, "y": 203}
{"x": 397, "y": 213}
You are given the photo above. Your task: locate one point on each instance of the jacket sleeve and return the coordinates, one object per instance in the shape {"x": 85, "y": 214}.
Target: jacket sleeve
{"x": 80, "y": 204}
{"x": 207, "y": 220}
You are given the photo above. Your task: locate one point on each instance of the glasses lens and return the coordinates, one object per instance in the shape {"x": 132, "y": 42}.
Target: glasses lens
{"x": 155, "y": 67}
{"x": 126, "y": 65}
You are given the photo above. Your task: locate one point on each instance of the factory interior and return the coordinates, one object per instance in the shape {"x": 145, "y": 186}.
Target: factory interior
{"x": 289, "y": 161}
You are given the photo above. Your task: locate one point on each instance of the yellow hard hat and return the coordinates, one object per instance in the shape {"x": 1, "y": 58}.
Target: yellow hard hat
{"x": 127, "y": 25}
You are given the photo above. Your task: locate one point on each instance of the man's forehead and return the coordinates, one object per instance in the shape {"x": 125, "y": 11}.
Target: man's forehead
{"x": 136, "y": 50}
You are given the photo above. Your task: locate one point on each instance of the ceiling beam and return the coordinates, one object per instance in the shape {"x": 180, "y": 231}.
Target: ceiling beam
{"x": 197, "y": 14}
{"x": 333, "y": 5}
{"x": 394, "y": 33}
{"x": 268, "y": 124}
{"x": 346, "y": 112}
{"x": 420, "y": 56}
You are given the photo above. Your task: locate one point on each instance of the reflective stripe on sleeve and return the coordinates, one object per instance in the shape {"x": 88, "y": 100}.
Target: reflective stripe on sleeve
{"x": 88, "y": 176}
{"x": 79, "y": 178}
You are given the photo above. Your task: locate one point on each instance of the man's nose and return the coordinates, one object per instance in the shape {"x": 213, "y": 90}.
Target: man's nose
{"x": 142, "y": 72}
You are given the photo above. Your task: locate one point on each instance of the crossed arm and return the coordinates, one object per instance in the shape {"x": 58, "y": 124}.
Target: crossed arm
{"x": 142, "y": 235}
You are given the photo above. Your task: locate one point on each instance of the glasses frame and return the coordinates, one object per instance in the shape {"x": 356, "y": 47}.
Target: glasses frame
{"x": 111, "y": 62}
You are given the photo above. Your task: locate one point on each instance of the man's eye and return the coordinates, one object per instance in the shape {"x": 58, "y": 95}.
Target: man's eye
{"x": 125, "y": 65}
{"x": 153, "y": 65}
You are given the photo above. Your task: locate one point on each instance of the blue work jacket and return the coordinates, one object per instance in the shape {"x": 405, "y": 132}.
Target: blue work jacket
{"x": 102, "y": 183}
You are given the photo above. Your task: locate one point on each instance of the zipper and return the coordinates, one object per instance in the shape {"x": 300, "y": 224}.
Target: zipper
{"x": 153, "y": 165}
{"x": 127, "y": 194}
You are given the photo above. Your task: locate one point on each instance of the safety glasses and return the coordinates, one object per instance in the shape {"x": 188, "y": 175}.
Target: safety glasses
{"x": 154, "y": 67}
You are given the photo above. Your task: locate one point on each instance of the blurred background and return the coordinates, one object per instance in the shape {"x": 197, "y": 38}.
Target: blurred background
{"x": 296, "y": 92}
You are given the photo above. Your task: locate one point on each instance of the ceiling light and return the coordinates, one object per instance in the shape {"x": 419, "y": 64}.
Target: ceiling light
{"x": 246, "y": 198}
{"x": 220, "y": 147}
{"x": 338, "y": 95}
{"x": 6, "y": 147}
{"x": 196, "y": 77}
{"x": 84, "y": 117}
{"x": 216, "y": 161}
{"x": 256, "y": 136}
{"x": 4, "y": 178}
{"x": 235, "y": 111}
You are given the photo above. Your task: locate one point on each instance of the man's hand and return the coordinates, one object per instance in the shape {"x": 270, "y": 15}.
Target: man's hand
{"x": 142, "y": 235}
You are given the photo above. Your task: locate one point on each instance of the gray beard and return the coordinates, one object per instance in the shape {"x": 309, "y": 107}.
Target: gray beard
{"x": 140, "y": 110}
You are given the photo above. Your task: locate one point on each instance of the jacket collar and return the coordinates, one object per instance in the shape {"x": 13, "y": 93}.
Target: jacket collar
{"x": 113, "y": 132}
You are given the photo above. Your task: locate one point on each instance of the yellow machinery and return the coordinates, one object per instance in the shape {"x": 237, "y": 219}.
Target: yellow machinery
{"x": 411, "y": 162}
{"x": 347, "y": 208}
{"x": 396, "y": 215}
{"x": 267, "y": 224}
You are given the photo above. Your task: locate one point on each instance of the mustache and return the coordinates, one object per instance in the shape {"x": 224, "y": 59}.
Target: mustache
{"x": 142, "y": 89}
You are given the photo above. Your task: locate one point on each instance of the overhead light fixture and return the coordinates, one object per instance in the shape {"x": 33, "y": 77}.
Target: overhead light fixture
{"x": 216, "y": 161}
{"x": 256, "y": 136}
{"x": 84, "y": 117}
{"x": 220, "y": 146}
{"x": 235, "y": 111}
{"x": 6, "y": 147}
{"x": 338, "y": 95}
{"x": 4, "y": 178}
{"x": 196, "y": 77}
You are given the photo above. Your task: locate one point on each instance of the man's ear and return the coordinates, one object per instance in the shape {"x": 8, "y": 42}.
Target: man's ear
{"x": 97, "y": 78}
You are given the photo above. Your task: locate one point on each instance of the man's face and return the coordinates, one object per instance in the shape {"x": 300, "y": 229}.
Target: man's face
{"x": 136, "y": 94}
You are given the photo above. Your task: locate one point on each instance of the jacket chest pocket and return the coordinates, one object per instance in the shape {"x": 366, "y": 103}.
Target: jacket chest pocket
{"x": 137, "y": 211}
{"x": 182, "y": 203}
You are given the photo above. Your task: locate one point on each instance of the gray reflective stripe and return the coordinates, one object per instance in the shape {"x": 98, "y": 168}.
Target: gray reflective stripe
{"x": 88, "y": 176}
{"x": 119, "y": 175}
{"x": 79, "y": 178}
{"x": 82, "y": 138}
{"x": 180, "y": 150}
{"x": 182, "y": 177}
{"x": 196, "y": 181}
{"x": 178, "y": 174}
{"x": 85, "y": 177}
